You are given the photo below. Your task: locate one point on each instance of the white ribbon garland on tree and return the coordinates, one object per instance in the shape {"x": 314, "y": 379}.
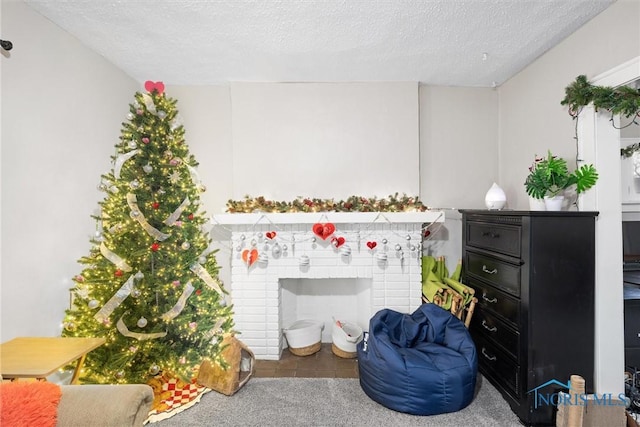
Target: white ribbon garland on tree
{"x": 202, "y": 273}
{"x": 115, "y": 300}
{"x": 120, "y": 162}
{"x": 114, "y": 258}
{"x": 148, "y": 102}
{"x": 132, "y": 201}
{"x": 194, "y": 174}
{"x": 177, "y": 309}
{"x": 122, "y": 328}
{"x": 211, "y": 333}
{"x": 176, "y": 214}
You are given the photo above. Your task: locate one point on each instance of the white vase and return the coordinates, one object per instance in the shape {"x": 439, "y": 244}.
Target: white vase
{"x": 536, "y": 204}
{"x": 495, "y": 197}
{"x": 554, "y": 203}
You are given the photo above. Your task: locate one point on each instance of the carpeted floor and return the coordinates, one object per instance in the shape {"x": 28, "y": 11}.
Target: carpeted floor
{"x": 329, "y": 402}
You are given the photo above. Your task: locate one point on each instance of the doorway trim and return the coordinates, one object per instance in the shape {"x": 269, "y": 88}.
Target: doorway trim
{"x": 599, "y": 143}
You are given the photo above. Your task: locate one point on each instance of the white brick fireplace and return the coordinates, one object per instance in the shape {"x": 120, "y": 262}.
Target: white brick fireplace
{"x": 290, "y": 266}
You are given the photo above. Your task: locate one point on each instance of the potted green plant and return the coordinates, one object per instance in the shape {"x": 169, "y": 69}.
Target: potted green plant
{"x": 549, "y": 177}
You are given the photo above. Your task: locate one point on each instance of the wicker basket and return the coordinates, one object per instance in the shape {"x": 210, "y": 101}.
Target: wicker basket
{"x": 342, "y": 353}
{"x": 306, "y": 351}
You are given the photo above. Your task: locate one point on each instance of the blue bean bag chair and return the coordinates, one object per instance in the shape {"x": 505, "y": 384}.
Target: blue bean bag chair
{"x": 424, "y": 363}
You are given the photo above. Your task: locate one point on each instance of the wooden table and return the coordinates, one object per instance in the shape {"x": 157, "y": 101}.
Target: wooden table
{"x": 39, "y": 357}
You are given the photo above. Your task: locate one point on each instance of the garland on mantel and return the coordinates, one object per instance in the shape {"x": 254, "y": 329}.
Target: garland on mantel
{"x": 623, "y": 100}
{"x": 393, "y": 203}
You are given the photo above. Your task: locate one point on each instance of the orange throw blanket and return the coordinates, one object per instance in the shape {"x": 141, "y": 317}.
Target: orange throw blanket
{"x": 29, "y": 404}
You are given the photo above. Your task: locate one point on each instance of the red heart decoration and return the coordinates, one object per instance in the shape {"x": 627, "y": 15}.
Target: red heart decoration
{"x": 323, "y": 230}
{"x": 271, "y": 234}
{"x": 151, "y": 86}
{"x": 372, "y": 245}
{"x": 338, "y": 241}
{"x": 249, "y": 256}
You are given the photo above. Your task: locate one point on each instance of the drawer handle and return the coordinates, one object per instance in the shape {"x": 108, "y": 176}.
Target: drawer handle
{"x": 489, "y": 300}
{"x": 490, "y": 234}
{"x": 490, "y": 329}
{"x": 484, "y": 353}
{"x": 486, "y": 270}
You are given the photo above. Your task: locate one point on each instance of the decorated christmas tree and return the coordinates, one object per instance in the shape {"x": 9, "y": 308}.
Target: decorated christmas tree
{"x": 149, "y": 284}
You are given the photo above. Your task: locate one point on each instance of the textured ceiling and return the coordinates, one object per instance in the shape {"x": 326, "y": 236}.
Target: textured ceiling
{"x": 439, "y": 42}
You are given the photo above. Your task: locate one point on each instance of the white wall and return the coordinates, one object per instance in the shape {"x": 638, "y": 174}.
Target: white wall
{"x": 62, "y": 106}
{"x": 459, "y": 145}
{"x": 532, "y": 121}
{"x": 325, "y": 140}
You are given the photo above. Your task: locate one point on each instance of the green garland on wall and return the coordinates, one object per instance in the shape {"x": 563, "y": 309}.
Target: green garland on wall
{"x": 393, "y": 203}
{"x": 623, "y": 100}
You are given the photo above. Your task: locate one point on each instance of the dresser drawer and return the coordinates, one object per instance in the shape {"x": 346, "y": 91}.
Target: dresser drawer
{"x": 498, "y": 273}
{"x": 496, "y": 331}
{"x": 494, "y": 237}
{"x": 497, "y": 365}
{"x": 500, "y": 303}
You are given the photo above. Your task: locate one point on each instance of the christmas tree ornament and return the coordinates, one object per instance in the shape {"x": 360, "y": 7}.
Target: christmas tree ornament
{"x": 133, "y": 144}
{"x": 162, "y": 114}
{"x": 136, "y": 293}
{"x": 263, "y": 259}
{"x": 155, "y": 247}
{"x": 134, "y": 184}
{"x": 70, "y": 326}
{"x": 276, "y": 250}
{"x": 130, "y": 116}
{"x": 154, "y": 369}
{"x": 145, "y": 140}
{"x": 118, "y": 273}
{"x": 345, "y": 250}
{"x": 142, "y": 322}
{"x": 119, "y": 375}
{"x": 93, "y": 304}
{"x": 155, "y": 205}
{"x": 249, "y": 256}
{"x": 185, "y": 246}
{"x": 113, "y": 189}
{"x": 139, "y": 275}
{"x": 147, "y": 168}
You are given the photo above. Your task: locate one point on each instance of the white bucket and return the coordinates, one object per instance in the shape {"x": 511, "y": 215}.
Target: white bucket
{"x": 346, "y": 336}
{"x": 304, "y": 333}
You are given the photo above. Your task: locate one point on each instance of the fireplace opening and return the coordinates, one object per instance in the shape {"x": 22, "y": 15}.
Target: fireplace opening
{"x": 346, "y": 299}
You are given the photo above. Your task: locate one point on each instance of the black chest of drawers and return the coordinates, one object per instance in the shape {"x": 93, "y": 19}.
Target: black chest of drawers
{"x": 534, "y": 277}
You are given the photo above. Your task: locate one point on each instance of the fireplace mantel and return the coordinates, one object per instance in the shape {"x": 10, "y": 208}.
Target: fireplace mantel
{"x": 335, "y": 217}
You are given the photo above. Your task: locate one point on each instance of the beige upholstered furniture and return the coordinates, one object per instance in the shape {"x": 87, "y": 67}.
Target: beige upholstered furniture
{"x": 104, "y": 405}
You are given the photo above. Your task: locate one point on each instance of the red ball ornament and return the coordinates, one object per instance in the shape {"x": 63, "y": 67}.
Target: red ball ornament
{"x": 155, "y": 205}
{"x": 198, "y": 291}
{"x": 155, "y": 247}
{"x": 118, "y": 273}
{"x": 190, "y": 217}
